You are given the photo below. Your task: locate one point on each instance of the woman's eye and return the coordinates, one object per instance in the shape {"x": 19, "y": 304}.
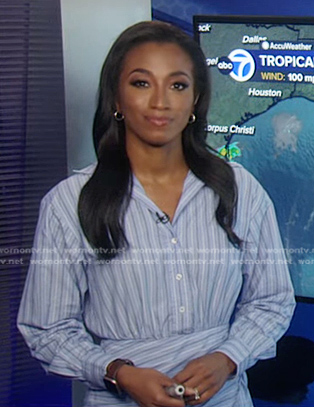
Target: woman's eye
{"x": 139, "y": 84}
{"x": 179, "y": 86}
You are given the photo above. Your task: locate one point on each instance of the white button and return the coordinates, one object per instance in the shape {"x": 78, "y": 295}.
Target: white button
{"x": 182, "y": 309}
{"x": 179, "y": 276}
{"x": 174, "y": 240}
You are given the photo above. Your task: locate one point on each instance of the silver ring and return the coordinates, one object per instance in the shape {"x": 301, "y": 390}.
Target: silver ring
{"x": 197, "y": 394}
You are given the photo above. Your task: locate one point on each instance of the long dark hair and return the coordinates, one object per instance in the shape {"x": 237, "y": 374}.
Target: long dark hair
{"x": 105, "y": 197}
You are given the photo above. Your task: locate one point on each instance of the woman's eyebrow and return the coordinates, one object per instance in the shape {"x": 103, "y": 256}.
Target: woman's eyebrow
{"x": 140, "y": 70}
{"x": 179, "y": 73}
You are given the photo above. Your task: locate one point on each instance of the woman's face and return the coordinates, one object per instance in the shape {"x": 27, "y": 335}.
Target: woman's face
{"x": 156, "y": 94}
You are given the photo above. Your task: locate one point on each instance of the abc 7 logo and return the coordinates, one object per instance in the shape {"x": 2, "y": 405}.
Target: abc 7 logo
{"x": 239, "y": 64}
{"x": 243, "y": 65}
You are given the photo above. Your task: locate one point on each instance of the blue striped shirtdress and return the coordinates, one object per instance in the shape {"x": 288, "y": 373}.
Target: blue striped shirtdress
{"x": 180, "y": 290}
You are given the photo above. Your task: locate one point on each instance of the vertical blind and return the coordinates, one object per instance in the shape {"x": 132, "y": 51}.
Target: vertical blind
{"x": 32, "y": 160}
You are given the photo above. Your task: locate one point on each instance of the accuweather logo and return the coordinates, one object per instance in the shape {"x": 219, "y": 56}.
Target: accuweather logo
{"x": 243, "y": 65}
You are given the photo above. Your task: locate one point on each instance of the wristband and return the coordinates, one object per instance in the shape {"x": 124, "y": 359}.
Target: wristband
{"x": 111, "y": 373}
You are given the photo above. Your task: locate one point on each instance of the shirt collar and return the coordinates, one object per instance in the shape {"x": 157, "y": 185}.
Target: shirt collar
{"x": 191, "y": 186}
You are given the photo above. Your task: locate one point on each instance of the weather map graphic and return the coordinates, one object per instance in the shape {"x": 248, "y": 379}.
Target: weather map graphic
{"x": 261, "y": 115}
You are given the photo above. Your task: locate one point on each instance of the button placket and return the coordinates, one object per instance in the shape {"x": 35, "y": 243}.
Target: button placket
{"x": 179, "y": 275}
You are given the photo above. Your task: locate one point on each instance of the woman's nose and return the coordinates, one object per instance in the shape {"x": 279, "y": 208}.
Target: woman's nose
{"x": 160, "y": 98}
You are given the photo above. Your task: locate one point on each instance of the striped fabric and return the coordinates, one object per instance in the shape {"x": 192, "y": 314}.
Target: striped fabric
{"x": 179, "y": 291}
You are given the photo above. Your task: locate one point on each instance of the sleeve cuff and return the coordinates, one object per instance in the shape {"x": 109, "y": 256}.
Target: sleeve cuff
{"x": 95, "y": 368}
{"x": 240, "y": 354}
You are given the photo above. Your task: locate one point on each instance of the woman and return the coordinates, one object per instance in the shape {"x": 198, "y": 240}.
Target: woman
{"x": 162, "y": 251}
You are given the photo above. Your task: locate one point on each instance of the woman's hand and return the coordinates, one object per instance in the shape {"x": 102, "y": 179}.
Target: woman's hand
{"x": 207, "y": 375}
{"x": 147, "y": 387}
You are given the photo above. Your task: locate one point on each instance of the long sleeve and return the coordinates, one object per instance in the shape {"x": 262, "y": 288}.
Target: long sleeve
{"x": 267, "y": 301}
{"x": 51, "y": 311}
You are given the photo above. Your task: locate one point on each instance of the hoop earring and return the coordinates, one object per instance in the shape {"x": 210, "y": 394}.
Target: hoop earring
{"x": 118, "y": 116}
{"x": 192, "y": 118}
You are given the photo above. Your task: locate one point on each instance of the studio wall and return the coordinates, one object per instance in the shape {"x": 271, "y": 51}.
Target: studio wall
{"x": 184, "y": 10}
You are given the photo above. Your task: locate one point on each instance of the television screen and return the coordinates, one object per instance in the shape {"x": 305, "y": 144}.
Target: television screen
{"x": 262, "y": 115}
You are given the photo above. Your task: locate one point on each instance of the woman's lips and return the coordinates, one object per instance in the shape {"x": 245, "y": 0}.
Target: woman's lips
{"x": 158, "y": 121}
